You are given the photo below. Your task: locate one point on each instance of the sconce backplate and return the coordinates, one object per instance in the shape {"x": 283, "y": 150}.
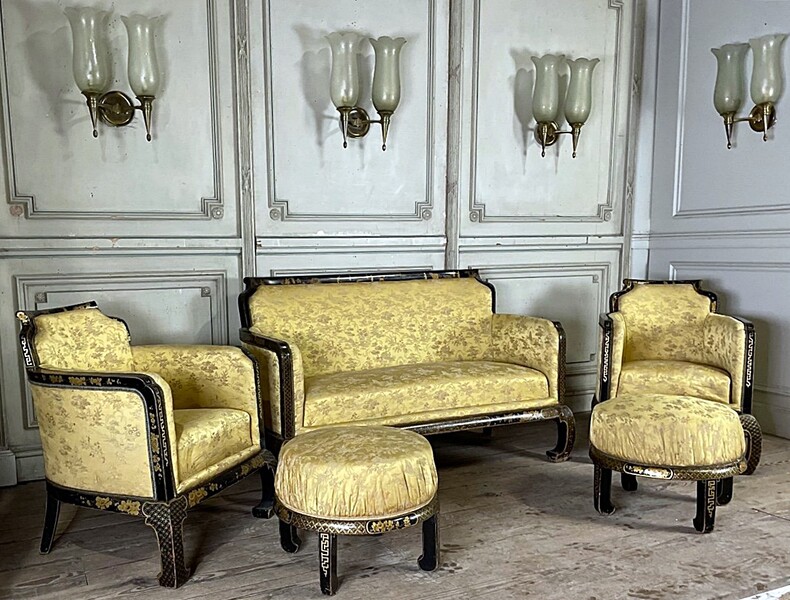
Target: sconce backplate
{"x": 116, "y": 109}
{"x": 358, "y": 122}
{"x": 549, "y": 130}
{"x": 756, "y": 117}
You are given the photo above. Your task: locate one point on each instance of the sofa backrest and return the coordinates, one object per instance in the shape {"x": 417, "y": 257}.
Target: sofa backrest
{"x": 352, "y": 326}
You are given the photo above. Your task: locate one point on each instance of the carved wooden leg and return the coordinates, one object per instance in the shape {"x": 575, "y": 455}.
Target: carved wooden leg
{"x": 167, "y": 521}
{"x": 566, "y": 435}
{"x": 754, "y": 442}
{"x": 289, "y": 538}
{"x": 265, "y": 509}
{"x": 724, "y": 491}
{"x": 628, "y": 482}
{"x": 429, "y": 560}
{"x": 50, "y": 523}
{"x": 602, "y": 490}
{"x": 327, "y": 555}
{"x": 706, "y": 506}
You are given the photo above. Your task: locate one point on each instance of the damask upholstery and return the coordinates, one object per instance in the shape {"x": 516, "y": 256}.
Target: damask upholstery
{"x": 674, "y": 377}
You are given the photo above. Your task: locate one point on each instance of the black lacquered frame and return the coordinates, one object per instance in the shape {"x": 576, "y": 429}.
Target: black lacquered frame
{"x": 166, "y": 509}
{"x": 559, "y": 413}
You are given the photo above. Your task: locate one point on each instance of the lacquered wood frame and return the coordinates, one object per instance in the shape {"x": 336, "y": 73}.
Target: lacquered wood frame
{"x": 165, "y": 510}
{"x": 560, "y": 413}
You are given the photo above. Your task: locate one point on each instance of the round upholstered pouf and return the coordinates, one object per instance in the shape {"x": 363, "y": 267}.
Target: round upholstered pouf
{"x": 356, "y": 481}
{"x": 667, "y": 437}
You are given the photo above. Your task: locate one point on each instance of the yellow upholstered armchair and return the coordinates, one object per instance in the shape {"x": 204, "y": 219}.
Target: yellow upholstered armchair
{"x": 665, "y": 337}
{"x": 149, "y": 431}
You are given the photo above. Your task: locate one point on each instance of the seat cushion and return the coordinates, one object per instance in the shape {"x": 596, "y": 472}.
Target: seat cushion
{"x": 674, "y": 377}
{"x": 667, "y": 431}
{"x": 404, "y": 394}
{"x": 205, "y": 436}
{"x": 356, "y": 473}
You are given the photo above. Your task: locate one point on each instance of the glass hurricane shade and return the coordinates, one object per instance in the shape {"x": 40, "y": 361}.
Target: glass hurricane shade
{"x": 728, "y": 92}
{"x": 767, "y": 83}
{"x": 344, "y": 80}
{"x": 578, "y": 99}
{"x": 143, "y": 65}
{"x": 91, "y": 64}
{"x": 386, "y": 77}
{"x": 546, "y": 97}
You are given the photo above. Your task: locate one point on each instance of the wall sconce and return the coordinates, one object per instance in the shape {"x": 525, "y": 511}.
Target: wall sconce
{"x": 92, "y": 67}
{"x": 766, "y": 85}
{"x": 344, "y": 83}
{"x": 546, "y": 98}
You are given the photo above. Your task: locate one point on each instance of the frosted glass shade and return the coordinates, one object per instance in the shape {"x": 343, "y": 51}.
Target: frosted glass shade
{"x": 386, "y": 78}
{"x": 344, "y": 80}
{"x": 767, "y": 83}
{"x": 728, "y": 92}
{"x": 546, "y": 96}
{"x": 578, "y": 99}
{"x": 143, "y": 66}
{"x": 91, "y": 52}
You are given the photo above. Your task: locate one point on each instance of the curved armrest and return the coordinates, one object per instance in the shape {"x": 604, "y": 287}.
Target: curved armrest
{"x": 282, "y": 389}
{"x": 532, "y": 342}
{"x": 610, "y": 356}
{"x": 728, "y": 343}
{"x": 111, "y": 433}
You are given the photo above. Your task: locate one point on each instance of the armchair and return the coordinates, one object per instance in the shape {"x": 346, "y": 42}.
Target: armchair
{"x": 150, "y": 431}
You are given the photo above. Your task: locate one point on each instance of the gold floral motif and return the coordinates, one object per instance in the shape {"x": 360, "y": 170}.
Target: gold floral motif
{"x": 129, "y": 507}
{"x": 95, "y": 381}
{"x": 197, "y": 495}
{"x": 56, "y": 379}
{"x": 77, "y": 380}
{"x": 103, "y": 503}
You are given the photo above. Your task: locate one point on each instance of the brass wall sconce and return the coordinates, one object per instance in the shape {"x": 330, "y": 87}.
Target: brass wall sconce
{"x": 546, "y": 98}
{"x": 92, "y": 67}
{"x": 766, "y": 84}
{"x": 344, "y": 83}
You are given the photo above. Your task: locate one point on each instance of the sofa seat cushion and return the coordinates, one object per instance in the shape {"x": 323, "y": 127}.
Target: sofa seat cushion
{"x": 674, "y": 377}
{"x": 404, "y": 394}
{"x": 206, "y": 436}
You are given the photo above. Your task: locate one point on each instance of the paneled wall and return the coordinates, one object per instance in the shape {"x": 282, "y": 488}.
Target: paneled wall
{"x": 247, "y": 175}
{"x": 717, "y": 214}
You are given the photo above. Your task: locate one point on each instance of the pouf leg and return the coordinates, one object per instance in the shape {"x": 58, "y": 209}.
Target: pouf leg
{"x": 706, "y": 506}
{"x": 327, "y": 562}
{"x": 628, "y": 482}
{"x": 265, "y": 509}
{"x": 289, "y": 538}
{"x": 724, "y": 491}
{"x": 602, "y": 491}
{"x": 50, "y": 523}
{"x": 429, "y": 560}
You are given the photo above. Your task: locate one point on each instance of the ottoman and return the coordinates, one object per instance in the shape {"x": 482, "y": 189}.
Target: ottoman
{"x": 667, "y": 437}
{"x": 356, "y": 481}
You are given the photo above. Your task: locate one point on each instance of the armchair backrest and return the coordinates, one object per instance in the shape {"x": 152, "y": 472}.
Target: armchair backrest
{"x": 359, "y": 322}
{"x": 663, "y": 319}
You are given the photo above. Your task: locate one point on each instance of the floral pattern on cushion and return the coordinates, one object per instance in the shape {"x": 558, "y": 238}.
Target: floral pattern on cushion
{"x": 356, "y": 473}
{"x": 674, "y": 377}
{"x": 725, "y": 348}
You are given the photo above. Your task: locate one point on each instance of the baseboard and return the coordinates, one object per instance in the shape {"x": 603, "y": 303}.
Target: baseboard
{"x": 29, "y": 465}
{"x": 8, "y": 473}
{"x": 774, "y": 419}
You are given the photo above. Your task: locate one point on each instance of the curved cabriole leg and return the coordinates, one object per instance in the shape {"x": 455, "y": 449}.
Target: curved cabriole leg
{"x": 167, "y": 521}
{"x": 724, "y": 491}
{"x": 429, "y": 560}
{"x": 706, "y": 506}
{"x": 628, "y": 482}
{"x": 289, "y": 538}
{"x": 566, "y": 436}
{"x": 602, "y": 490}
{"x": 265, "y": 509}
{"x": 50, "y": 523}
{"x": 754, "y": 442}
{"x": 327, "y": 557}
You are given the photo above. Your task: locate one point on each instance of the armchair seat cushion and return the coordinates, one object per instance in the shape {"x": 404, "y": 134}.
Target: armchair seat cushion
{"x": 205, "y": 437}
{"x": 406, "y": 394}
{"x": 674, "y": 377}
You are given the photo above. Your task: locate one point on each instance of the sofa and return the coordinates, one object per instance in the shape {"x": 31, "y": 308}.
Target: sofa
{"x": 423, "y": 351}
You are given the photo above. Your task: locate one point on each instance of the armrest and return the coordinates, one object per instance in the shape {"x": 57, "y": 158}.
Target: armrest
{"x": 282, "y": 389}
{"x": 110, "y": 433}
{"x": 728, "y": 343}
{"x": 610, "y": 356}
{"x": 532, "y": 342}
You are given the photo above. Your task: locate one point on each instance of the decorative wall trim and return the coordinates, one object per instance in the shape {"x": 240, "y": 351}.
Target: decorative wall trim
{"x": 352, "y": 270}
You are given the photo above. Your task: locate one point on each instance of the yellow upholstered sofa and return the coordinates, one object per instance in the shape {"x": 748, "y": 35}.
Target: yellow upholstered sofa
{"x": 418, "y": 350}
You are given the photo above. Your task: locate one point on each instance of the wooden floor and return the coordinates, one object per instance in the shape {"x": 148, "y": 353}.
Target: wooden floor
{"x": 513, "y": 526}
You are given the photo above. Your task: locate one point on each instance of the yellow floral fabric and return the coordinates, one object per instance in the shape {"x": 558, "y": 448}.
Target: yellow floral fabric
{"x": 356, "y": 473}
{"x": 403, "y": 393}
{"x": 674, "y": 377}
{"x": 528, "y": 341}
{"x": 671, "y": 431}
{"x": 422, "y": 321}
{"x": 82, "y": 339}
{"x": 725, "y": 348}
